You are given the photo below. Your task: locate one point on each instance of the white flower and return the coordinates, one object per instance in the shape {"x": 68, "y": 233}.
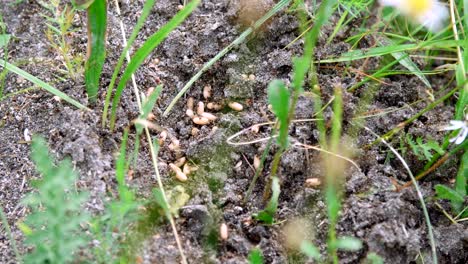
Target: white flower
{"x": 429, "y": 13}
{"x": 457, "y": 124}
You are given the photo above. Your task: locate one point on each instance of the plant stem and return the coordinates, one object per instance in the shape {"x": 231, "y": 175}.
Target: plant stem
{"x": 260, "y": 168}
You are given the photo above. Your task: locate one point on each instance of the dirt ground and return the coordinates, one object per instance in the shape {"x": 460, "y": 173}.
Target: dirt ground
{"x": 389, "y": 223}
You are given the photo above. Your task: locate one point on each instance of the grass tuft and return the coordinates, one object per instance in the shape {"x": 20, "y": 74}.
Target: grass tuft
{"x": 144, "y": 51}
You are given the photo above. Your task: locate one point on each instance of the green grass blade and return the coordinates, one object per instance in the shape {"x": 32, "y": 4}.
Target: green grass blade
{"x": 338, "y": 26}
{"x": 310, "y": 250}
{"x": 140, "y": 55}
{"x": 255, "y": 256}
{"x": 25, "y": 90}
{"x": 337, "y": 120}
{"x": 4, "y": 40}
{"x": 461, "y": 181}
{"x": 462, "y": 102}
{"x": 40, "y": 83}
{"x": 147, "y": 107}
{"x": 380, "y": 51}
{"x": 121, "y": 163}
{"x": 218, "y": 56}
{"x": 404, "y": 59}
{"x": 97, "y": 24}
{"x": 348, "y": 244}
{"x": 141, "y": 21}
{"x": 150, "y": 102}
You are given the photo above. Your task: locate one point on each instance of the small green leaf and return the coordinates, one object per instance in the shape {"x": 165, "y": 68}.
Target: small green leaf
{"x": 267, "y": 215}
{"x": 444, "y": 192}
{"x": 373, "y": 258}
{"x": 56, "y": 212}
{"x": 461, "y": 182}
{"x": 4, "y": 39}
{"x": 255, "y": 256}
{"x": 426, "y": 149}
{"x": 301, "y": 66}
{"x": 404, "y": 59}
{"x": 310, "y": 250}
{"x": 436, "y": 147}
{"x": 27, "y": 231}
{"x": 279, "y": 97}
{"x": 348, "y": 243}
